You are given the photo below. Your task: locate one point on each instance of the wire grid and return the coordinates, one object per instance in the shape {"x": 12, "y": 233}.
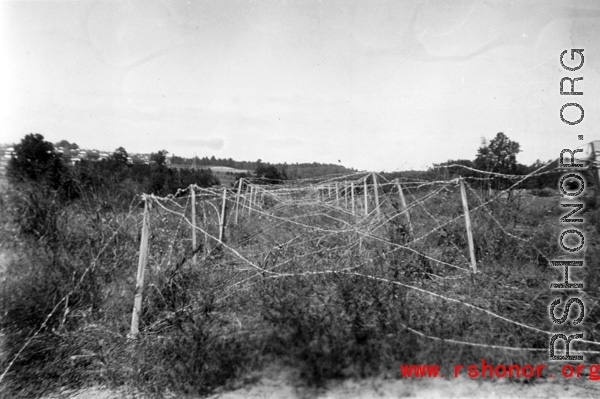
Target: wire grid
{"x": 313, "y": 228}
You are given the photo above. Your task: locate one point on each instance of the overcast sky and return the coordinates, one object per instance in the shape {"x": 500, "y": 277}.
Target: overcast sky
{"x": 376, "y": 85}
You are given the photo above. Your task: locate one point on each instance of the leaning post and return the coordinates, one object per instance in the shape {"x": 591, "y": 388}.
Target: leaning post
{"x": 352, "y": 198}
{"x": 193, "y": 199}
{"x": 237, "y": 199}
{"x": 139, "y": 286}
{"x": 463, "y": 195}
{"x": 405, "y": 209}
{"x": 376, "y": 194}
{"x": 222, "y": 221}
{"x": 366, "y": 197}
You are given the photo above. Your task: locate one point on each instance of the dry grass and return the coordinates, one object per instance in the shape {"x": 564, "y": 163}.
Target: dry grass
{"x": 308, "y": 284}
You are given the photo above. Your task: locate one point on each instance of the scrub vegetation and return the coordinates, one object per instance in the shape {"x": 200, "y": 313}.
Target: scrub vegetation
{"x": 305, "y": 278}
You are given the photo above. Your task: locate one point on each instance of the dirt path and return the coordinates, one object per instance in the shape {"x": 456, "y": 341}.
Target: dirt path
{"x": 456, "y": 388}
{"x": 279, "y": 386}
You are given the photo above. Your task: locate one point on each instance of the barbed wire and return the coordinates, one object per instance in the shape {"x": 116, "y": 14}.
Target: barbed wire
{"x": 295, "y": 205}
{"x": 504, "y": 175}
{"x": 326, "y": 201}
{"x": 86, "y": 271}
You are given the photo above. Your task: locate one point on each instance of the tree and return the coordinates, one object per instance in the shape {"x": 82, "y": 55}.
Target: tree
{"x": 42, "y": 182}
{"x": 66, "y": 145}
{"x": 34, "y": 159}
{"x": 269, "y": 174}
{"x": 160, "y": 157}
{"x": 499, "y": 156}
{"x": 119, "y": 157}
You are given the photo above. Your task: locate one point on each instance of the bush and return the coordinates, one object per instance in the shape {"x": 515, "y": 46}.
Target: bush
{"x": 41, "y": 301}
{"x": 336, "y": 326}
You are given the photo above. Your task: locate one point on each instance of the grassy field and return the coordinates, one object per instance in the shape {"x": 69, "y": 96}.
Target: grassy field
{"x": 304, "y": 279}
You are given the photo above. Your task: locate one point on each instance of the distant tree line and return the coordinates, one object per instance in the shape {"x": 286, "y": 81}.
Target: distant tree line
{"x": 285, "y": 171}
{"x": 36, "y": 163}
{"x": 35, "y": 160}
{"x": 499, "y": 157}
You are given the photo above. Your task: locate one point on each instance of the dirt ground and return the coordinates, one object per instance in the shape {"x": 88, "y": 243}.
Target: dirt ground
{"x": 280, "y": 385}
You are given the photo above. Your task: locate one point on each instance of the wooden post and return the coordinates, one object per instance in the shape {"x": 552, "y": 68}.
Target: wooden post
{"x": 329, "y": 190}
{"x": 366, "y": 198}
{"x": 205, "y": 225}
{"x": 250, "y": 200}
{"x": 346, "y": 195}
{"x": 463, "y": 195}
{"x": 352, "y": 198}
{"x": 242, "y": 200}
{"x": 405, "y": 209}
{"x": 222, "y": 221}
{"x": 258, "y": 195}
{"x": 376, "y": 192}
{"x": 139, "y": 286}
{"x": 237, "y": 199}
{"x": 193, "y": 194}
{"x": 255, "y": 195}
{"x": 337, "y": 194}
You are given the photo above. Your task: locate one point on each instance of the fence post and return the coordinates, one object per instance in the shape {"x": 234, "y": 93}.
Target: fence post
{"x": 345, "y": 194}
{"x": 222, "y": 224}
{"x": 337, "y": 194}
{"x": 237, "y": 199}
{"x": 193, "y": 195}
{"x": 405, "y": 209}
{"x": 366, "y": 197}
{"x": 254, "y": 196}
{"x": 139, "y": 285}
{"x": 352, "y": 198}
{"x": 376, "y": 192}
{"x": 463, "y": 195}
{"x": 205, "y": 226}
{"x": 250, "y": 200}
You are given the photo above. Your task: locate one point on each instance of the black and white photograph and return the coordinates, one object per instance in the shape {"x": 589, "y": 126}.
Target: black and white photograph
{"x": 299, "y": 199}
